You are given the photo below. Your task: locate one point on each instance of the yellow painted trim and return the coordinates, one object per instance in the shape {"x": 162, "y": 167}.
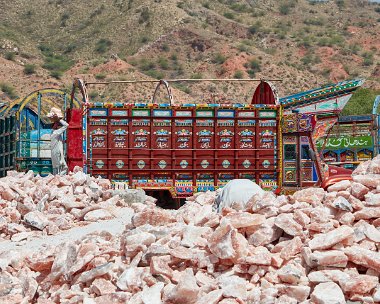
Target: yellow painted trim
{"x": 24, "y": 101}
{"x": 280, "y": 144}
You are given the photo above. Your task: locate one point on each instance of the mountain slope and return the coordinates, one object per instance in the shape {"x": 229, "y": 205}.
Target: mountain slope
{"x": 47, "y": 43}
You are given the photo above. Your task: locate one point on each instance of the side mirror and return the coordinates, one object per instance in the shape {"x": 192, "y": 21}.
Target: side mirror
{"x": 312, "y": 154}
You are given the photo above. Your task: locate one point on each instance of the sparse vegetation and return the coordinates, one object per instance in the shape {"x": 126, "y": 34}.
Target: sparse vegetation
{"x": 229, "y": 15}
{"x": 100, "y": 76}
{"x": 253, "y": 29}
{"x": 165, "y": 47}
{"x": 55, "y": 63}
{"x": 239, "y": 74}
{"x": 196, "y": 76}
{"x": 102, "y": 45}
{"x": 8, "y": 89}
{"x": 29, "y": 69}
{"x": 163, "y": 63}
{"x": 219, "y": 58}
{"x": 253, "y": 66}
{"x": 10, "y": 55}
{"x": 144, "y": 15}
{"x": 367, "y": 58}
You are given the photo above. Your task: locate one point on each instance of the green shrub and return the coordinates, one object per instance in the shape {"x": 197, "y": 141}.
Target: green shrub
{"x": 206, "y": 5}
{"x": 102, "y": 45}
{"x": 367, "y": 59}
{"x": 237, "y": 7}
{"x": 196, "y": 76}
{"x": 229, "y": 15}
{"x": 165, "y": 47}
{"x": 219, "y": 58}
{"x": 64, "y": 19}
{"x": 253, "y": 66}
{"x": 10, "y": 55}
{"x": 163, "y": 63}
{"x": 253, "y": 29}
{"x": 284, "y": 9}
{"x": 29, "y": 69}
{"x": 155, "y": 74}
{"x": 314, "y": 21}
{"x": 93, "y": 94}
{"x": 174, "y": 57}
{"x": 146, "y": 65}
{"x": 8, "y": 89}
{"x": 355, "y": 48}
{"x": 100, "y": 76}
{"x": 238, "y": 74}
{"x": 56, "y": 74}
{"x": 144, "y": 15}
{"x": 144, "y": 39}
{"x": 340, "y": 3}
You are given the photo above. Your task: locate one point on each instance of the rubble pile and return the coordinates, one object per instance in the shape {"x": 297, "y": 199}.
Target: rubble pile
{"x": 34, "y": 206}
{"x": 314, "y": 246}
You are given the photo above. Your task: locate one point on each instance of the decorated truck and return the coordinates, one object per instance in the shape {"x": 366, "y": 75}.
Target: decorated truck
{"x": 187, "y": 148}
{"x": 349, "y": 142}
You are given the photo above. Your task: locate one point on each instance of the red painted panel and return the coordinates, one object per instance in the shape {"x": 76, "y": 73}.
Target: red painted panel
{"x": 225, "y": 144}
{"x": 98, "y": 146}
{"x": 246, "y": 140}
{"x": 140, "y": 144}
{"x": 118, "y": 141}
{"x": 74, "y": 138}
{"x": 183, "y": 140}
{"x": 204, "y": 143}
{"x": 265, "y": 93}
{"x": 161, "y": 145}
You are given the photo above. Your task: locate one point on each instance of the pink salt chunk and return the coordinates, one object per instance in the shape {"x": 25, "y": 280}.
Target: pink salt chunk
{"x": 367, "y": 213}
{"x": 339, "y": 186}
{"x": 286, "y": 222}
{"x": 244, "y": 219}
{"x": 181, "y": 252}
{"x": 233, "y": 286}
{"x": 220, "y": 242}
{"x": 301, "y": 218}
{"x": 325, "y": 241}
{"x": 333, "y": 258}
{"x": 101, "y": 287}
{"x": 292, "y": 248}
{"x": 290, "y": 273}
{"x": 371, "y": 232}
{"x": 258, "y": 256}
{"x": 364, "y": 257}
{"x": 152, "y": 216}
{"x": 360, "y": 284}
{"x": 328, "y": 275}
{"x": 313, "y": 196}
{"x": 186, "y": 291}
{"x": 152, "y": 295}
{"x": 358, "y": 190}
{"x": 213, "y": 297}
{"x": 329, "y": 292}
{"x": 159, "y": 265}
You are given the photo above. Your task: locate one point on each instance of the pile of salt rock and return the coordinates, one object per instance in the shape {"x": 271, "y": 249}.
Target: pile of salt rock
{"x": 33, "y": 206}
{"x": 311, "y": 247}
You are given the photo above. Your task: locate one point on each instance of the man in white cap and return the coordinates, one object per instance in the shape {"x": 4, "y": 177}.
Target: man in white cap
{"x": 56, "y": 141}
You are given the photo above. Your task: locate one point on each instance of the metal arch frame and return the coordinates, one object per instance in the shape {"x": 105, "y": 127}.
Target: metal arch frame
{"x": 24, "y": 101}
{"x": 81, "y": 85}
{"x": 376, "y": 115}
{"x": 166, "y": 85}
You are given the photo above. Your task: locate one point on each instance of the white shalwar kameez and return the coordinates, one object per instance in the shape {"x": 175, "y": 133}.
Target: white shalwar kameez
{"x": 57, "y": 155}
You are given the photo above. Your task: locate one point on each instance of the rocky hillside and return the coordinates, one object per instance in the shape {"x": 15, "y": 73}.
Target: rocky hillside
{"x": 46, "y": 43}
